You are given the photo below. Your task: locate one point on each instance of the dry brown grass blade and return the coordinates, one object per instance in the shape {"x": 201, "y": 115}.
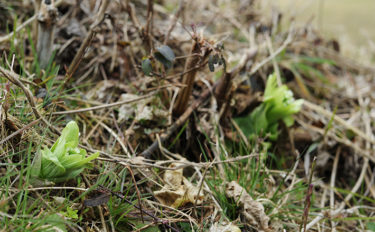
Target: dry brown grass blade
{"x": 14, "y": 78}
{"x": 339, "y": 120}
{"x": 20, "y": 130}
{"x": 104, "y": 106}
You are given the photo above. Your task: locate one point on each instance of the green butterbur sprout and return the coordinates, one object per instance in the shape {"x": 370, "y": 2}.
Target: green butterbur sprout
{"x": 278, "y": 104}
{"x": 64, "y": 160}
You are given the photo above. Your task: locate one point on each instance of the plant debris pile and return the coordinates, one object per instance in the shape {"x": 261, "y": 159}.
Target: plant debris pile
{"x": 197, "y": 115}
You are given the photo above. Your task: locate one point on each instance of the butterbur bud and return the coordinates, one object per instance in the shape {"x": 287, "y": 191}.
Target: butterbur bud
{"x": 64, "y": 160}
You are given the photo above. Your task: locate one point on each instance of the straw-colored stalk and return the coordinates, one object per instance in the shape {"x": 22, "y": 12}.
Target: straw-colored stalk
{"x": 46, "y": 25}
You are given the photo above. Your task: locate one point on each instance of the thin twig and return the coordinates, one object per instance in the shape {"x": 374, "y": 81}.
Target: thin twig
{"x": 341, "y": 121}
{"x": 165, "y": 223}
{"x": 137, "y": 191}
{"x": 14, "y": 78}
{"x": 332, "y": 183}
{"x": 274, "y": 62}
{"x": 200, "y": 185}
{"x": 255, "y": 69}
{"x": 86, "y": 42}
{"x": 20, "y": 130}
{"x": 364, "y": 153}
{"x": 105, "y": 106}
{"x": 149, "y": 25}
{"x": 131, "y": 12}
{"x": 308, "y": 197}
{"x": 181, "y": 120}
{"x": 116, "y": 137}
{"x": 181, "y": 4}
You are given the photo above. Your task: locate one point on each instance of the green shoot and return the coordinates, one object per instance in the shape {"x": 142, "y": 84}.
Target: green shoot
{"x": 64, "y": 160}
{"x": 278, "y": 104}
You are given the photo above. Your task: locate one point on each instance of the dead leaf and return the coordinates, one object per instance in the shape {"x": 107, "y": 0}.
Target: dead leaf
{"x": 173, "y": 177}
{"x": 59, "y": 200}
{"x": 137, "y": 160}
{"x": 140, "y": 109}
{"x": 252, "y": 210}
{"x": 103, "y": 89}
{"x": 98, "y": 200}
{"x": 178, "y": 190}
{"x": 224, "y": 227}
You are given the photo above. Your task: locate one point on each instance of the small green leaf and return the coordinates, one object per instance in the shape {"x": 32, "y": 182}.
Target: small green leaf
{"x": 70, "y": 213}
{"x": 36, "y": 165}
{"x": 70, "y": 174}
{"x": 165, "y": 55}
{"x": 77, "y": 160}
{"x": 371, "y": 226}
{"x": 51, "y": 165}
{"x": 68, "y": 139}
{"x": 53, "y": 223}
{"x": 166, "y": 52}
{"x": 146, "y": 66}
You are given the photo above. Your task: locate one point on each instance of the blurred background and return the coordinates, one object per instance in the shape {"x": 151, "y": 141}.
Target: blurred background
{"x": 351, "y": 22}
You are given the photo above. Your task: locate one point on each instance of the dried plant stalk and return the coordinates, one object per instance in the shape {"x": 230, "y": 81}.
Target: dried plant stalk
{"x": 46, "y": 24}
{"x": 223, "y": 92}
{"x": 188, "y": 80}
{"x": 223, "y": 89}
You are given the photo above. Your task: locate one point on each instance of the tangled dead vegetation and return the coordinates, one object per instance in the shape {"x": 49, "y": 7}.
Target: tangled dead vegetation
{"x": 155, "y": 87}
